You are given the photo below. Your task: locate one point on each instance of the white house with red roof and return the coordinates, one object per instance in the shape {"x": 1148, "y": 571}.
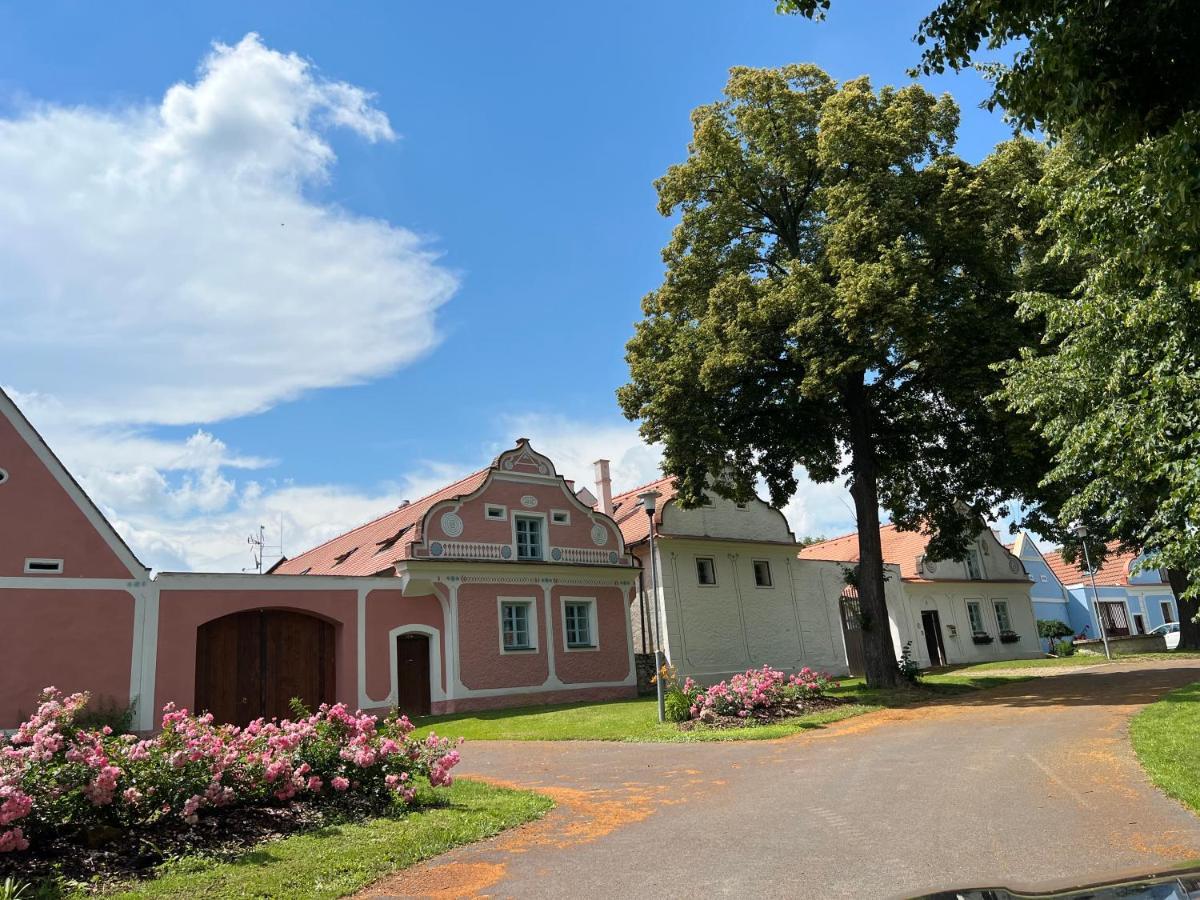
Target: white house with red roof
{"x": 728, "y": 588}
{"x": 502, "y": 588}
{"x": 976, "y": 609}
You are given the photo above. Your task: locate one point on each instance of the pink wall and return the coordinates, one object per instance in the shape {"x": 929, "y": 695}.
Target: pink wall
{"x": 476, "y": 527}
{"x": 387, "y": 610}
{"x": 73, "y": 640}
{"x": 182, "y": 612}
{"x": 39, "y": 519}
{"x": 610, "y": 661}
{"x": 481, "y": 664}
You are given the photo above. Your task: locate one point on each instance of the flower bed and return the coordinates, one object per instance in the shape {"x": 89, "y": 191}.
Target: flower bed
{"x": 753, "y": 697}
{"x": 63, "y": 787}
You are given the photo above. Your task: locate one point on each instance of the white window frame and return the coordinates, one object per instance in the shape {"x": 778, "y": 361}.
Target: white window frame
{"x": 556, "y": 513}
{"x": 1165, "y": 606}
{"x": 978, "y": 604}
{"x": 973, "y": 554}
{"x": 545, "y": 536}
{"x": 593, "y": 624}
{"x": 530, "y": 603}
{"x": 495, "y": 512}
{"x": 33, "y": 561}
{"x": 770, "y": 575}
{"x": 996, "y": 604}
{"x": 713, "y": 583}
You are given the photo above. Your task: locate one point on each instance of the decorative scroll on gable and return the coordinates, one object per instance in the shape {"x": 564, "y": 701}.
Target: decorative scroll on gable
{"x": 524, "y": 460}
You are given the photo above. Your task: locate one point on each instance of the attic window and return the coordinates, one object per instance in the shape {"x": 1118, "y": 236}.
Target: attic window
{"x": 338, "y": 560}
{"x": 706, "y": 501}
{"x": 3, "y": 476}
{"x": 389, "y": 543}
{"x": 560, "y": 517}
{"x": 306, "y": 571}
{"x": 43, "y": 567}
{"x": 741, "y": 505}
{"x": 495, "y": 511}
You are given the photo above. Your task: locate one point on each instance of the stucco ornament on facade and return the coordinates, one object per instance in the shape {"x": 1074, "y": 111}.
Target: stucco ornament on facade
{"x": 529, "y": 501}
{"x": 452, "y": 524}
{"x": 599, "y": 535}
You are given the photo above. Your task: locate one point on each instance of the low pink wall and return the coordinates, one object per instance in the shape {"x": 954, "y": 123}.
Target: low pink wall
{"x": 610, "y": 660}
{"x": 391, "y": 609}
{"x": 74, "y": 640}
{"x": 481, "y": 664}
{"x": 182, "y": 612}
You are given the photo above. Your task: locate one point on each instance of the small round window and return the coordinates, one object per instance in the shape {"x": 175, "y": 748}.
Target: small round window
{"x": 3, "y": 476}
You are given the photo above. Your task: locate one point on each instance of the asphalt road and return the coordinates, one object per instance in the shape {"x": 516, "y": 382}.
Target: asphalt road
{"x": 1032, "y": 785}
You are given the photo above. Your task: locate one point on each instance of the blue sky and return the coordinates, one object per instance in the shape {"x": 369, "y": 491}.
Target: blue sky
{"x": 513, "y": 147}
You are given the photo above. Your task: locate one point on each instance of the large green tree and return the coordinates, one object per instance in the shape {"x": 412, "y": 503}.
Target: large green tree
{"x": 836, "y": 297}
{"x": 1116, "y": 388}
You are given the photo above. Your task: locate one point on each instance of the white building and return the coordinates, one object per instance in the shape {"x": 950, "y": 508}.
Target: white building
{"x": 977, "y": 609}
{"x": 731, "y": 592}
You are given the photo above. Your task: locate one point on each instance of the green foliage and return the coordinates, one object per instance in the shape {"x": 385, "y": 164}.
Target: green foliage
{"x": 677, "y": 706}
{"x": 106, "y": 710}
{"x": 1054, "y": 628}
{"x": 1164, "y": 738}
{"x": 1120, "y": 69}
{"x": 910, "y": 669}
{"x": 11, "y": 889}
{"x": 837, "y": 289}
{"x": 1064, "y": 648}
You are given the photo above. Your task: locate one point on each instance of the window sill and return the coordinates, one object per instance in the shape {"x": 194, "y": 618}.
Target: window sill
{"x": 520, "y": 650}
{"x": 574, "y": 648}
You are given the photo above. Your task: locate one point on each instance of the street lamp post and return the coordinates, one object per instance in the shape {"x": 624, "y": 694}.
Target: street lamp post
{"x": 649, "y": 504}
{"x": 1081, "y": 532}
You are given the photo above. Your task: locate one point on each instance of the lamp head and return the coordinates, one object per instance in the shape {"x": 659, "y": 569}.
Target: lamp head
{"x": 649, "y": 501}
{"x": 1080, "y": 531}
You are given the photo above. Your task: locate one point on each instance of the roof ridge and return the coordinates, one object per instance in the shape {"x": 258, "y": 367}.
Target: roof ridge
{"x": 390, "y": 512}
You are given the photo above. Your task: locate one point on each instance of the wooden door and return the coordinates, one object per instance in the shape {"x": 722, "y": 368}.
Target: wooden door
{"x": 412, "y": 675}
{"x": 931, "y": 624}
{"x": 852, "y": 632}
{"x": 251, "y": 664}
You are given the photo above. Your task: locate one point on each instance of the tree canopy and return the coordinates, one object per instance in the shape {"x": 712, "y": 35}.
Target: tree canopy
{"x": 837, "y": 296}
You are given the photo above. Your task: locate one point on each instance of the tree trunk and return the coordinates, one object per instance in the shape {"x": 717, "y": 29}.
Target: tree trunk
{"x": 1189, "y": 628}
{"x": 878, "y": 650}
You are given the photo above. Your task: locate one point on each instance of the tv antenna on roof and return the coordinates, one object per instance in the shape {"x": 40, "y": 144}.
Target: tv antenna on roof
{"x": 262, "y": 548}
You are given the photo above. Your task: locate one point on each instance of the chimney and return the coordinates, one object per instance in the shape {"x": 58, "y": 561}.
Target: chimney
{"x": 604, "y": 486}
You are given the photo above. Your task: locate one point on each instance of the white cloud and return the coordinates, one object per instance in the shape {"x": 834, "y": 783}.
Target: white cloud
{"x": 162, "y": 264}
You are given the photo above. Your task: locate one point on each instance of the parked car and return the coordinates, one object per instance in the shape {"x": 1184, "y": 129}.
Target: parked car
{"x": 1171, "y": 631}
{"x": 1182, "y": 885}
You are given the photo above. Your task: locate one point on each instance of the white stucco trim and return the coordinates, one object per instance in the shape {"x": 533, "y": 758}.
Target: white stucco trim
{"x": 58, "y": 583}
{"x": 144, "y": 665}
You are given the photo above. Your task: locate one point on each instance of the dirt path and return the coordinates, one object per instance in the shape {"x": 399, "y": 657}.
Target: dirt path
{"x": 1029, "y": 785}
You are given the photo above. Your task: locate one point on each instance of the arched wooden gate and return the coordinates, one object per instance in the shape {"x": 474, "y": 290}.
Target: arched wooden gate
{"x": 251, "y": 664}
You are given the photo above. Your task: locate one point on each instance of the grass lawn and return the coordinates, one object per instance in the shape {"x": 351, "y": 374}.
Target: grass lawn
{"x": 1079, "y": 659}
{"x": 1166, "y": 738}
{"x": 340, "y": 859}
{"x": 637, "y": 720}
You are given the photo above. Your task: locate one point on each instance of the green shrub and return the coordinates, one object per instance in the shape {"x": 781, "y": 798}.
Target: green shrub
{"x": 1064, "y": 648}
{"x": 106, "y": 711}
{"x": 677, "y": 706}
{"x": 910, "y": 669}
{"x": 1051, "y": 630}
{"x": 11, "y": 889}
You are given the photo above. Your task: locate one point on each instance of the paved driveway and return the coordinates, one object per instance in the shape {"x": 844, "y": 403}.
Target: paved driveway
{"x": 1029, "y": 785}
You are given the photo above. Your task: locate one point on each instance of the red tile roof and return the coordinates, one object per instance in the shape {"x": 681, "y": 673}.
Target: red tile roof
{"x": 375, "y": 546}
{"x": 900, "y": 548}
{"x": 632, "y": 519}
{"x": 1115, "y": 570}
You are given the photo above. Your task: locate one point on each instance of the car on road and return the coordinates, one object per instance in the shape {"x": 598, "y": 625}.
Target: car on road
{"x": 1171, "y": 631}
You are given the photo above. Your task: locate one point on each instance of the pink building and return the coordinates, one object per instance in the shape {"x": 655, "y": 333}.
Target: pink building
{"x": 504, "y": 588}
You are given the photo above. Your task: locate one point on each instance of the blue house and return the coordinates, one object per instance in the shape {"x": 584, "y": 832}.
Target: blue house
{"x": 1131, "y": 603}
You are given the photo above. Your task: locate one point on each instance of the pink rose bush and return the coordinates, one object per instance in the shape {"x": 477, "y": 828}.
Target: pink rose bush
{"x": 754, "y": 694}
{"x": 54, "y": 776}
